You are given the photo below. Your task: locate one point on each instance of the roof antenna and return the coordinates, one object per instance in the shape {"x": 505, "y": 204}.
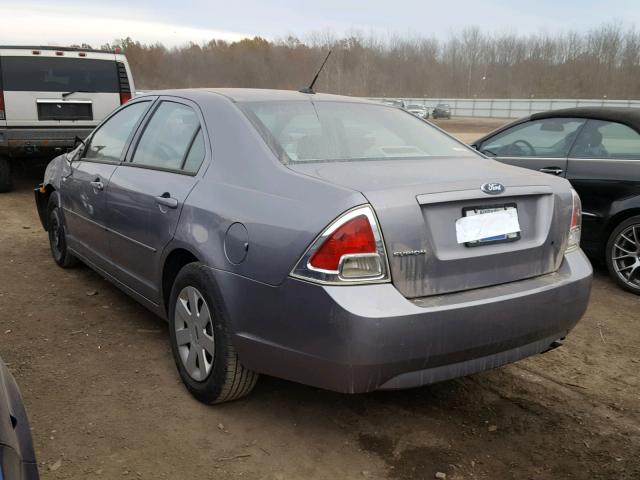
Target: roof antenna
{"x": 309, "y": 89}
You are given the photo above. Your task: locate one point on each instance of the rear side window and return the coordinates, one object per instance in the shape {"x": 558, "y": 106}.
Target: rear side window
{"x": 549, "y": 137}
{"x": 109, "y": 140}
{"x": 52, "y": 74}
{"x": 600, "y": 139}
{"x": 196, "y": 154}
{"x": 168, "y": 137}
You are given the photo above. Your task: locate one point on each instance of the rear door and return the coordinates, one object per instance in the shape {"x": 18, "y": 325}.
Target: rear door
{"x": 541, "y": 145}
{"x": 146, "y": 193}
{"x": 84, "y": 190}
{"x": 604, "y": 168}
{"x": 59, "y": 88}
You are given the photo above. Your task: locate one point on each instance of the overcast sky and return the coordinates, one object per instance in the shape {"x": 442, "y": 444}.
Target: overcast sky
{"x": 177, "y": 22}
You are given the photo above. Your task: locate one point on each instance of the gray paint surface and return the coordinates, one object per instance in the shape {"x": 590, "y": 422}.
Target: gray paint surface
{"x": 348, "y": 338}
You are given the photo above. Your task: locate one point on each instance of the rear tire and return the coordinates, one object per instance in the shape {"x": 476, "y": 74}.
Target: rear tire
{"x": 197, "y": 323}
{"x": 57, "y": 236}
{"x": 623, "y": 254}
{"x": 6, "y": 183}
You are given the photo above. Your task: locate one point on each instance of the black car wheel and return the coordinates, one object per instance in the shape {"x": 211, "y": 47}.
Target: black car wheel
{"x": 57, "y": 236}
{"x": 200, "y": 341}
{"x": 623, "y": 254}
{"x": 5, "y": 175}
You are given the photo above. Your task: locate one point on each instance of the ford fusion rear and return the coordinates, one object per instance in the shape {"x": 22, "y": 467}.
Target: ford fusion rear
{"x": 327, "y": 240}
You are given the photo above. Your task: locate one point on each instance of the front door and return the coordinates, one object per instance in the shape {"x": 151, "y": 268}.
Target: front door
{"x": 84, "y": 190}
{"x": 146, "y": 195}
{"x": 541, "y": 145}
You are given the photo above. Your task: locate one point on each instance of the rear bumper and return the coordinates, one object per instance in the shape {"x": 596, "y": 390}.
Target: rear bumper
{"x": 363, "y": 338}
{"x": 20, "y": 141}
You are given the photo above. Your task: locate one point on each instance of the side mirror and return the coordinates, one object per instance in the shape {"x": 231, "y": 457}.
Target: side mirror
{"x": 76, "y": 143}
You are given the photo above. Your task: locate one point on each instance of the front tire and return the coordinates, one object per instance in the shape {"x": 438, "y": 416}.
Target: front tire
{"x": 6, "y": 184}
{"x": 623, "y": 254}
{"x": 200, "y": 340}
{"x": 57, "y": 236}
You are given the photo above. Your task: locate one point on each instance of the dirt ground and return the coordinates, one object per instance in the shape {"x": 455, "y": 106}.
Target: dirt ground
{"x": 105, "y": 400}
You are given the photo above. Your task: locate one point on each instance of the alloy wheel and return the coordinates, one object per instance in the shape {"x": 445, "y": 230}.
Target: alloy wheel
{"x": 626, "y": 255}
{"x": 194, "y": 333}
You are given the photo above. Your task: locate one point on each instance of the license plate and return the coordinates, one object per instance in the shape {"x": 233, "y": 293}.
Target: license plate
{"x": 488, "y": 225}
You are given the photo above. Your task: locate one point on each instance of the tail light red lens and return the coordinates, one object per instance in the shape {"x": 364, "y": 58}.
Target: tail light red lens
{"x": 355, "y": 236}
{"x": 125, "y": 86}
{"x": 575, "y": 229}
{"x": 350, "y": 250}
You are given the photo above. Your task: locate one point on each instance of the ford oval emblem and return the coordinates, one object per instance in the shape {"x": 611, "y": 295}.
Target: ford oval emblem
{"x": 492, "y": 188}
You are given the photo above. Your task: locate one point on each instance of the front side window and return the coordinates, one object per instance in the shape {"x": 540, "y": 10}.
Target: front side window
{"x": 303, "y": 131}
{"x": 600, "y": 139}
{"x": 549, "y": 137}
{"x": 168, "y": 137}
{"x": 109, "y": 140}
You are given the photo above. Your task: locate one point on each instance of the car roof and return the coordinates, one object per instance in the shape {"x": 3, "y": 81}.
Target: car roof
{"x": 626, "y": 115}
{"x": 260, "y": 95}
{"x": 59, "y": 49}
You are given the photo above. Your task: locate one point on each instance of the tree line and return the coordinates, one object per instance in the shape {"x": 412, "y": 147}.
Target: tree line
{"x": 602, "y": 62}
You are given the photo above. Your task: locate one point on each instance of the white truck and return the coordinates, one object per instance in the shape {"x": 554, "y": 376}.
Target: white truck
{"x": 51, "y": 95}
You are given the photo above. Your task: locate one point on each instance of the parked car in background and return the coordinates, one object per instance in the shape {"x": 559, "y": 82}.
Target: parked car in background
{"x": 17, "y": 457}
{"x": 394, "y": 102}
{"x": 598, "y": 151}
{"x": 418, "y": 110}
{"x": 334, "y": 241}
{"x": 441, "y": 110}
{"x": 51, "y": 95}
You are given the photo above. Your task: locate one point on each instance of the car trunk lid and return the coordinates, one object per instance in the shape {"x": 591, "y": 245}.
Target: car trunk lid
{"x": 419, "y": 201}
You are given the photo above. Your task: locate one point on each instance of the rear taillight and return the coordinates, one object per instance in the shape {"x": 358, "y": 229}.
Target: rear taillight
{"x": 349, "y": 250}
{"x": 125, "y": 87}
{"x": 2, "y": 114}
{"x": 575, "y": 228}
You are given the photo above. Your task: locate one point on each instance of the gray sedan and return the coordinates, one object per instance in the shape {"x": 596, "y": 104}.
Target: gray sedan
{"x": 326, "y": 240}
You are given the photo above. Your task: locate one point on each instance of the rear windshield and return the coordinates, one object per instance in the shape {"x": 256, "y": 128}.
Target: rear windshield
{"x": 47, "y": 74}
{"x": 301, "y": 131}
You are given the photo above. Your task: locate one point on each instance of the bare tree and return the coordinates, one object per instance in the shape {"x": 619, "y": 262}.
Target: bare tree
{"x": 604, "y": 61}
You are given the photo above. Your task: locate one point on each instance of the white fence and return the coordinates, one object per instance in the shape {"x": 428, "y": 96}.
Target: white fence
{"x": 512, "y": 108}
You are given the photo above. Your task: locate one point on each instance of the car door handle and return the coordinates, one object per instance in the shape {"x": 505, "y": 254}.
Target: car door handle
{"x": 97, "y": 184}
{"x": 552, "y": 170}
{"x": 167, "y": 201}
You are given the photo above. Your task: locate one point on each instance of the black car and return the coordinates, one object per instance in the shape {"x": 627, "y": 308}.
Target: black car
{"x": 598, "y": 151}
{"x": 17, "y": 458}
{"x": 442, "y": 110}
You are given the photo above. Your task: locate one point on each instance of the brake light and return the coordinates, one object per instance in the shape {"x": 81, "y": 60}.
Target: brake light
{"x": 575, "y": 228}
{"x": 125, "y": 87}
{"x": 2, "y": 114}
{"x": 352, "y": 237}
{"x": 349, "y": 250}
